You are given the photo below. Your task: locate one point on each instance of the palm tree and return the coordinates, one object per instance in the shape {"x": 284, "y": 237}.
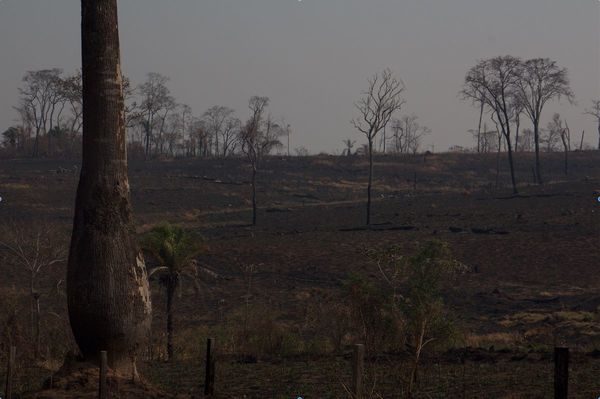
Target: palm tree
{"x": 174, "y": 250}
{"x": 107, "y": 287}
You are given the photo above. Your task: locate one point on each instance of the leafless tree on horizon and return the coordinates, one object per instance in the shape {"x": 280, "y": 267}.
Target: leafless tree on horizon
{"x": 594, "y": 111}
{"x": 494, "y": 80}
{"x": 540, "y": 81}
{"x": 377, "y": 106}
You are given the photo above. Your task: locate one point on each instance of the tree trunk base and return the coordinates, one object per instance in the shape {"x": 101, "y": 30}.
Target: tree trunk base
{"x": 78, "y": 379}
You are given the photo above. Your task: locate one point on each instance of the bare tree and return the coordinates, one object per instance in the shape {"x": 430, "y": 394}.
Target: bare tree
{"x": 156, "y": 105}
{"x": 565, "y": 137}
{"x": 408, "y": 134}
{"x": 540, "y": 81}
{"x": 557, "y": 131}
{"x": 72, "y": 93}
{"x": 178, "y": 125}
{"x": 222, "y": 124}
{"x": 594, "y": 111}
{"x": 518, "y": 112}
{"x": 526, "y": 140}
{"x": 107, "y": 285}
{"x": 550, "y": 138}
{"x": 35, "y": 250}
{"x": 258, "y": 138}
{"x": 230, "y": 135}
{"x": 172, "y": 133}
{"x": 495, "y": 81}
{"x": 480, "y": 103}
{"x": 40, "y": 96}
{"x": 215, "y": 119}
{"x": 376, "y": 108}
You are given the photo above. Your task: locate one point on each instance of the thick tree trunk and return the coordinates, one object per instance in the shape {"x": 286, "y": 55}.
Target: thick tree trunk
{"x": 598, "y": 136}
{"x": 107, "y": 285}
{"x": 369, "y": 186}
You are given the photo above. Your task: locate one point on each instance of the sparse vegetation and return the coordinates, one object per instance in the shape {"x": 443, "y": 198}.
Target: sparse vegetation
{"x": 472, "y": 281}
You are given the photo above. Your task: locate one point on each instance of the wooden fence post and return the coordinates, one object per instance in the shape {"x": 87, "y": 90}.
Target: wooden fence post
{"x": 103, "y": 387}
{"x": 561, "y": 373}
{"x": 358, "y": 366}
{"x": 10, "y": 370}
{"x": 209, "y": 379}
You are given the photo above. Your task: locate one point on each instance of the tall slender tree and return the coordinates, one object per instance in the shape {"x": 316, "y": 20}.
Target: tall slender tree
{"x": 258, "y": 138}
{"x": 540, "y": 81}
{"x": 107, "y": 284}
{"x": 494, "y": 81}
{"x": 594, "y": 111}
{"x": 376, "y": 108}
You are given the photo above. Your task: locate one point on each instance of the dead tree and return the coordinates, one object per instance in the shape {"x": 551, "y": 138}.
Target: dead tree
{"x": 566, "y": 139}
{"x": 495, "y": 81}
{"x": 376, "y": 108}
{"x": 258, "y": 138}
{"x": 556, "y": 129}
{"x": 540, "y": 81}
{"x": 41, "y": 102}
{"x": 157, "y": 103}
{"x": 594, "y": 111}
{"x": 221, "y": 125}
{"x": 35, "y": 250}
{"x": 409, "y": 134}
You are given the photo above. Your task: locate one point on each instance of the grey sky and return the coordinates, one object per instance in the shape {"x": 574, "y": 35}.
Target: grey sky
{"x": 312, "y": 58}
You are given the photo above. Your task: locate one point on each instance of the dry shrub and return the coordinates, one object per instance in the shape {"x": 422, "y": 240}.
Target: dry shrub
{"x": 497, "y": 339}
{"x": 12, "y": 322}
{"x": 256, "y": 331}
{"x": 335, "y": 323}
{"x": 372, "y": 316}
{"x": 190, "y": 343}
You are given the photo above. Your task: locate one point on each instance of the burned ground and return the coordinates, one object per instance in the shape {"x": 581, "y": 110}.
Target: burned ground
{"x": 532, "y": 259}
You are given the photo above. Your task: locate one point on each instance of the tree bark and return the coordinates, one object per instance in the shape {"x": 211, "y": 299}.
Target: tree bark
{"x": 107, "y": 285}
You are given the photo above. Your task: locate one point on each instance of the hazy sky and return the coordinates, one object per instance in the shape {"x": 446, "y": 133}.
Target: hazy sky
{"x": 313, "y": 57}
